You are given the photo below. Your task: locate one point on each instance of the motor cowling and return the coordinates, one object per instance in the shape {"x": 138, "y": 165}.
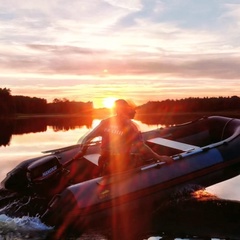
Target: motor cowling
{"x": 16, "y": 180}
{"x": 45, "y": 169}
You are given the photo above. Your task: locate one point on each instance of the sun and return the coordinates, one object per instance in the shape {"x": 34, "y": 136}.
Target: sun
{"x": 109, "y": 102}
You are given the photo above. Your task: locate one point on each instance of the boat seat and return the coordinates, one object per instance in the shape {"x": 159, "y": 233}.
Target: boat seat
{"x": 92, "y": 158}
{"x": 173, "y": 144}
{"x": 159, "y": 141}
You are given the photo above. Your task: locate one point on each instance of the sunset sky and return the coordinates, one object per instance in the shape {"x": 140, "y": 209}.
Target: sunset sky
{"x": 88, "y": 50}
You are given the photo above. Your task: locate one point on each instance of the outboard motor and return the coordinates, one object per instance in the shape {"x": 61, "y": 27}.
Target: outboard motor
{"x": 41, "y": 175}
{"x": 45, "y": 175}
{"x": 16, "y": 180}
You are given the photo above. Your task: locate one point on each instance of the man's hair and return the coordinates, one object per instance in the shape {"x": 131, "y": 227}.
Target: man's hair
{"x": 122, "y": 106}
{"x": 121, "y": 103}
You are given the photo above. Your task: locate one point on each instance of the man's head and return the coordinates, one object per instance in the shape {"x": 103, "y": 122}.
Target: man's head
{"x": 123, "y": 108}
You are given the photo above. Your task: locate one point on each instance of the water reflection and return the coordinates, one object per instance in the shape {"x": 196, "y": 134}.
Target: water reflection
{"x": 202, "y": 215}
{"x": 188, "y": 214}
{"x": 6, "y": 130}
{"x": 9, "y": 127}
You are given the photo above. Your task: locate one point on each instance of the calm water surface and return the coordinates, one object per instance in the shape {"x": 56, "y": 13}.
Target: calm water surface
{"x": 23, "y": 143}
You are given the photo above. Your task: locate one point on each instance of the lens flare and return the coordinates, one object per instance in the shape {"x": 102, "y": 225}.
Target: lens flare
{"x": 109, "y": 102}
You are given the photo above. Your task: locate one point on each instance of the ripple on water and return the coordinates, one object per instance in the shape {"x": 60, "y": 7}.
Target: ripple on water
{"x": 22, "y": 228}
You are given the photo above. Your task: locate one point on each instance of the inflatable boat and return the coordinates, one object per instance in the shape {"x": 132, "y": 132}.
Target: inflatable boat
{"x": 205, "y": 151}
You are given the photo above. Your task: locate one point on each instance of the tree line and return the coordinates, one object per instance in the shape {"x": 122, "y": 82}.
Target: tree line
{"x": 10, "y": 105}
{"x": 206, "y": 104}
{"x": 32, "y": 105}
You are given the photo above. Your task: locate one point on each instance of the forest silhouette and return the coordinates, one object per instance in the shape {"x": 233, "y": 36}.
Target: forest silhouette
{"x": 22, "y": 114}
{"x": 11, "y": 105}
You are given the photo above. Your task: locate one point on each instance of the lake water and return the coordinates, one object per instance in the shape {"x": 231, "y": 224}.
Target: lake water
{"x": 27, "y": 138}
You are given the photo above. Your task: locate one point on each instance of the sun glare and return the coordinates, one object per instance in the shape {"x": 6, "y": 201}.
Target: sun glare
{"x": 109, "y": 102}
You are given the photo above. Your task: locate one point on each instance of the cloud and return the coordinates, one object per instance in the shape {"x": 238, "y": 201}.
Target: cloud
{"x": 140, "y": 91}
{"x": 232, "y": 11}
{"x": 132, "y": 4}
{"x": 67, "y": 50}
{"x": 70, "y": 60}
{"x": 61, "y": 44}
{"x": 56, "y": 21}
{"x": 217, "y": 67}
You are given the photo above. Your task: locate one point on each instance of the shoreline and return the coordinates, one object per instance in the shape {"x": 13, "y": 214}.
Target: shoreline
{"x": 104, "y": 114}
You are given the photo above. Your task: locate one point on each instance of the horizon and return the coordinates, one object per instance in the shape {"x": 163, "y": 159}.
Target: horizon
{"x": 139, "y": 50}
{"x": 108, "y": 102}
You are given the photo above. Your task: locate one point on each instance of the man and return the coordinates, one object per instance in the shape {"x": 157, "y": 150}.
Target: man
{"x": 119, "y": 136}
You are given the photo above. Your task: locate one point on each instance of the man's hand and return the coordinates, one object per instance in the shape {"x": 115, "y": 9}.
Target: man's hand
{"x": 166, "y": 159}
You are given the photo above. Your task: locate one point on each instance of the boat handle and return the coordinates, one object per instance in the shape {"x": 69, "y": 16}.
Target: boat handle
{"x": 157, "y": 164}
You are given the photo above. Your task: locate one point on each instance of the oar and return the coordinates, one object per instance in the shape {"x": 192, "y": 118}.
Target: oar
{"x": 58, "y": 150}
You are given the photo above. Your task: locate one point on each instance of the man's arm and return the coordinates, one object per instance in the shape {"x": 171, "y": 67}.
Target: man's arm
{"x": 96, "y": 132}
{"x": 87, "y": 139}
{"x": 145, "y": 149}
